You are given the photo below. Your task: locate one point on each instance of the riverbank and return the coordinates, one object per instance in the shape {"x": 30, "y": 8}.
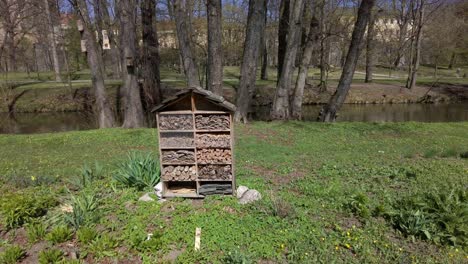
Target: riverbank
{"x": 38, "y": 96}
{"x": 331, "y": 193}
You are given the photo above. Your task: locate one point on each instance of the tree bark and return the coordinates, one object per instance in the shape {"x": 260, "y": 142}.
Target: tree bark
{"x": 417, "y": 52}
{"x": 185, "y": 47}
{"x": 253, "y": 36}
{"x": 452, "y": 61}
{"x": 281, "y": 105}
{"x": 264, "y": 69}
{"x": 311, "y": 42}
{"x": 328, "y": 113}
{"x": 150, "y": 55}
{"x": 214, "y": 80}
{"x": 370, "y": 48}
{"x": 133, "y": 110}
{"x": 53, "y": 44}
{"x": 102, "y": 107}
{"x": 403, "y": 20}
{"x": 283, "y": 33}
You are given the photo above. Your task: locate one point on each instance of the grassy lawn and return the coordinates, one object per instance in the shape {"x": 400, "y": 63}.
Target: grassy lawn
{"x": 346, "y": 192}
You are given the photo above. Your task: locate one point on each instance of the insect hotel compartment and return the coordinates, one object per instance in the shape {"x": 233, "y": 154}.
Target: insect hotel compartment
{"x": 180, "y": 189}
{"x": 215, "y": 187}
{"x": 212, "y": 122}
{"x": 214, "y": 156}
{"x": 176, "y": 122}
{"x": 176, "y": 140}
{"x": 210, "y": 140}
{"x": 178, "y": 156}
{"x": 215, "y": 172}
{"x": 179, "y": 173}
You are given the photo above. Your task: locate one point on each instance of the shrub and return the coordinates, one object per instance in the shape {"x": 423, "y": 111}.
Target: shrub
{"x": 449, "y": 153}
{"x": 59, "y": 234}
{"x": 20, "y": 208}
{"x": 430, "y": 153}
{"x": 440, "y": 216}
{"x": 236, "y": 257}
{"x": 35, "y": 232}
{"x": 139, "y": 171}
{"x": 12, "y": 254}
{"x": 87, "y": 176}
{"x": 103, "y": 246}
{"x": 83, "y": 212}
{"x": 140, "y": 241}
{"x": 358, "y": 205}
{"x": 50, "y": 256}
{"x": 86, "y": 234}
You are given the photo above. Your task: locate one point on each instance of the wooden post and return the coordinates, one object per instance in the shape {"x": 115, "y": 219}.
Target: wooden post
{"x": 197, "y": 238}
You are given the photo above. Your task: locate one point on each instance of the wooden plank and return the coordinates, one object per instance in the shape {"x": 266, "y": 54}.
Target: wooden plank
{"x": 197, "y": 238}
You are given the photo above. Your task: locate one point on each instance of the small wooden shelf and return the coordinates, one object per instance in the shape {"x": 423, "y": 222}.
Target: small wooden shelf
{"x": 211, "y": 131}
{"x": 214, "y": 163}
{"x": 213, "y": 147}
{"x": 179, "y": 164}
{"x": 176, "y": 148}
{"x": 215, "y": 180}
{"x": 169, "y": 194}
{"x": 181, "y": 112}
{"x": 176, "y": 131}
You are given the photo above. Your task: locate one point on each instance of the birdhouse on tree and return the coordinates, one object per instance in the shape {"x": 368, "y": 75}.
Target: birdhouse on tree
{"x": 196, "y": 144}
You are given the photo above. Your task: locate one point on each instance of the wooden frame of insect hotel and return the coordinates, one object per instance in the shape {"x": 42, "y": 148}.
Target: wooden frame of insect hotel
{"x": 196, "y": 144}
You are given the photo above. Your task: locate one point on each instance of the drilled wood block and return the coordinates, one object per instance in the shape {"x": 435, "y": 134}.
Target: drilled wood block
{"x": 175, "y": 122}
{"x": 212, "y": 122}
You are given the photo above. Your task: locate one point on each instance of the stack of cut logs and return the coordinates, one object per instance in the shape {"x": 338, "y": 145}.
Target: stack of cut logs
{"x": 212, "y": 122}
{"x": 213, "y": 141}
{"x": 175, "y": 122}
{"x": 222, "y": 156}
{"x": 179, "y": 173}
{"x": 215, "y": 172}
{"x": 178, "y": 156}
{"x": 184, "y": 140}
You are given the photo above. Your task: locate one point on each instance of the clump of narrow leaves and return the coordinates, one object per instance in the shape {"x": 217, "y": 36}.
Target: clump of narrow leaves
{"x": 139, "y": 171}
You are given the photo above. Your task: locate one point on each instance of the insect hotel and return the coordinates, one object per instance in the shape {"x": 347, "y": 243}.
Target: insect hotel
{"x": 196, "y": 144}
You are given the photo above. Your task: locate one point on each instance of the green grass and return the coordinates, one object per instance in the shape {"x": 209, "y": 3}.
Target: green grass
{"x": 326, "y": 190}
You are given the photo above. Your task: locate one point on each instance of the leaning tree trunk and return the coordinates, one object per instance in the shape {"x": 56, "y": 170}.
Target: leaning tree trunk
{"x": 283, "y": 33}
{"x": 328, "y": 113}
{"x": 311, "y": 42}
{"x": 53, "y": 44}
{"x": 370, "y": 48}
{"x": 253, "y": 36}
{"x": 150, "y": 55}
{"x": 133, "y": 110}
{"x": 102, "y": 107}
{"x": 281, "y": 108}
{"x": 183, "y": 35}
{"x": 214, "y": 80}
{"x": 417, "y": 52}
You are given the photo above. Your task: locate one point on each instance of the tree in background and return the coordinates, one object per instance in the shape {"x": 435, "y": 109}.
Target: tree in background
{"x": 52, "y": 41}
{"x": 214, "y": 80}
{"x": 281, "y": 102}
{"x": 252, "y": 45}
{"x": 133, "y": 116}
{"x": 370, "y": 46}
{"x": 103, "y": 110}
{"x": 328, "y": 113}
{"x": 310, "y": 43}
{"x": 150, "y": 55}
{"x": 182, "y": 19}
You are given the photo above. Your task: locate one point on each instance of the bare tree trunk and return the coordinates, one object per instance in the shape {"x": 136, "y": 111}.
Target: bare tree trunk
{"x": 403, "y": 19}
{"x": 264, "y": 69}
{"x": 281, "y": 108}
{"x": 311, "y": 42}
{"x": 253, "y": 36}
{"x": 102, "y": 106}
{"x": 370, "y": 48}
{"x": 150, "y": 55}
{"x": 53, "y": 44}
{"x": 283, "y": 34}
{"x": 323, "y": 39}
{"x": 115, "y": 49}
{"x": 133, "y": 109}
{"x": 214, "y": 80}
{"x": 452, "y": 61}
{"x": 183, "y": 35}
{"x": 328, "y": 113}
{"x": 417, "y": 52}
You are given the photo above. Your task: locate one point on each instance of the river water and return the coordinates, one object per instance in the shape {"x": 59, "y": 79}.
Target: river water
{"x": 30, "y": 123}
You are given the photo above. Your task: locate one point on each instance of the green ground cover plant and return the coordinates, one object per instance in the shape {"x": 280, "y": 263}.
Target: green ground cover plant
{"x": 332, "y": 193}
